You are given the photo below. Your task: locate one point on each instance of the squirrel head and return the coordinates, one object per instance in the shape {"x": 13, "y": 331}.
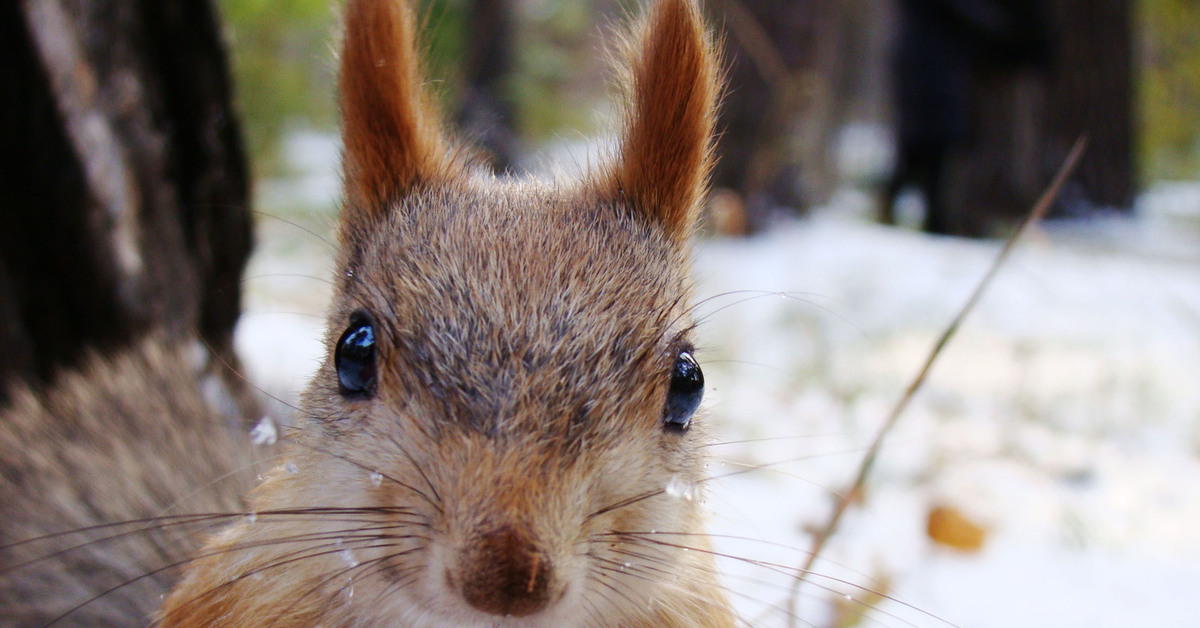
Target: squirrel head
{"x": 505, "y": 405}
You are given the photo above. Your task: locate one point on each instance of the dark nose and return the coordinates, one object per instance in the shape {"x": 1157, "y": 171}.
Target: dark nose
{"x": 503, "y": 573}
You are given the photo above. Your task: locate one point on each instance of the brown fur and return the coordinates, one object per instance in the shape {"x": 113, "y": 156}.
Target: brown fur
{"x": 391, "y": 131}
{"x": 510, "y": 467}
{"x": 108, "y": 446}
{"x": 666, "y": 148}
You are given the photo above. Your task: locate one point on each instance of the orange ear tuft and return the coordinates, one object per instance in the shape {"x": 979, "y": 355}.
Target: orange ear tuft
{"x": 390, "y": 128}
{"x": 667, "y": 146}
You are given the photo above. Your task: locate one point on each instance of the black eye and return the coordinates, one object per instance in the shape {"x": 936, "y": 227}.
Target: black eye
{"x": 687, "y": 389}
{"x": 354, "y": 357}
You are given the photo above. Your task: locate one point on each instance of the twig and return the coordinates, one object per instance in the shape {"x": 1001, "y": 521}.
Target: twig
{"x": 757, "y": 44}
{"x": 843, "y": 503}
{"x": 789, "y": 88}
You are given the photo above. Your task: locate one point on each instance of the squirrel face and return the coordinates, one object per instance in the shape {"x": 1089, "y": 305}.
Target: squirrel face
{"x": 523, "y": 378}
{"x": 508, "y": 388}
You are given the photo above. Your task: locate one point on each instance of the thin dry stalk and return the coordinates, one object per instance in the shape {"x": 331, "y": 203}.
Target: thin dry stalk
{"x": 848, "y": 496}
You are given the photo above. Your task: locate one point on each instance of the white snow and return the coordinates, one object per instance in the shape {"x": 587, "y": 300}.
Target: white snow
{"x": 264, "y": 432}
{"x": 1064, "y": 418}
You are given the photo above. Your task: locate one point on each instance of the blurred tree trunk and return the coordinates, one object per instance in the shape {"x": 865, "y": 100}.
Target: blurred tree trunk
{"x": 123, "y": 183}
{"x": 790, "y": 78}
{"x": 486, "y": 113}
{"x": 768, "y": 53}
{"x": 1026, "y": 121}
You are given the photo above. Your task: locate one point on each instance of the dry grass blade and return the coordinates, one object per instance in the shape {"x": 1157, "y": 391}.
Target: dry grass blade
{"x": 846, "y": 497}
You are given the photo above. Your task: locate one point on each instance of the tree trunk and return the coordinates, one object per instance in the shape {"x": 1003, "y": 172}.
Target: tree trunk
{"x": 124, "y": 183}
{"x": 790, "y": 81}
{"x": 486, "y": 113}
{"x": 1026, "y": 120}
{"x": 768, "y": 57}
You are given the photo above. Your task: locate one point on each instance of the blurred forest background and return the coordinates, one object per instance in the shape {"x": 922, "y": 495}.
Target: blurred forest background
{"x": 811, "y": 106}
{"x": 130, "y": 125}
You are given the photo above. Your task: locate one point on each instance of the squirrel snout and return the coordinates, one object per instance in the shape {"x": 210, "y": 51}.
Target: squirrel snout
{"x": 504, "y": 573}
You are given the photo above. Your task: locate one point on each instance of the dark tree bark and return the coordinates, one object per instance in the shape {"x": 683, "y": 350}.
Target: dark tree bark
{"x": 1092, "y": 92}
{"x": 768, "y": 50}
{"x": 1028, "y": 117}
{"x": 123, "y": 184}
{"x": 486, "y": 112}
{"x": 791, "y": 75}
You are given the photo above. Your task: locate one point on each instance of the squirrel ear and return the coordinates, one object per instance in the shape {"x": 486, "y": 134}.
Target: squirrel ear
{"x": 390, "y": 128}
{"x": 666, "y": 150}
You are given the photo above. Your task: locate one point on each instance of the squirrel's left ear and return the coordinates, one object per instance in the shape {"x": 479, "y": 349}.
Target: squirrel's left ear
{"x": 666, "y": 147}
{"x": 391, "y": 132}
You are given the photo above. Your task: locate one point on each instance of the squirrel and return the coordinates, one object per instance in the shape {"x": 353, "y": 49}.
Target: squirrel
{"x": 508, "y": 393}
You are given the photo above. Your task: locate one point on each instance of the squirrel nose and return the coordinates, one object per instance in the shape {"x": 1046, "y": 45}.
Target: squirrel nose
{"x": 504, "y": 574}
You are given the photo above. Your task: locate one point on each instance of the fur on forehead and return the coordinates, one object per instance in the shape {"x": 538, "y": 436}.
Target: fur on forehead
{"x": 523, "y": 256}
{"x": 471, "y": 285}
{"x": 543, "y": 230}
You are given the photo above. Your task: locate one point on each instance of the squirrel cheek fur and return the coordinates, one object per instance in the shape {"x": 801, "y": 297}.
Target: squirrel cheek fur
{"x": 507, "y": 463}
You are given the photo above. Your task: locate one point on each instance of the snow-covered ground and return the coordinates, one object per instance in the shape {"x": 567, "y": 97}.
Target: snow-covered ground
{"x": 1064, "y": 418}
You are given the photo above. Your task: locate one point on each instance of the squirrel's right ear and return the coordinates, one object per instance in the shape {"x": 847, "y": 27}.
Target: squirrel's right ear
{"x": 671, "y": 90}
{"x": 390, "y": 128}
